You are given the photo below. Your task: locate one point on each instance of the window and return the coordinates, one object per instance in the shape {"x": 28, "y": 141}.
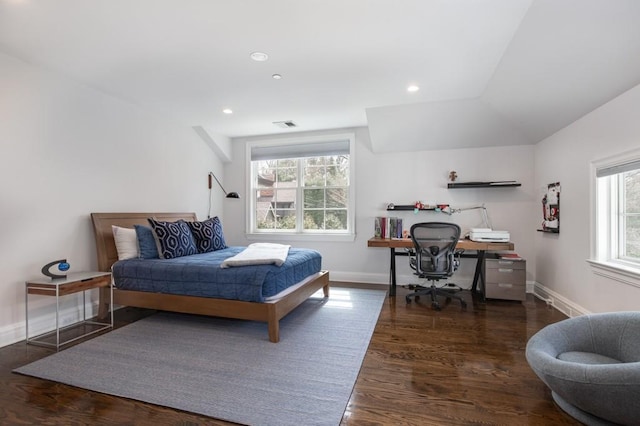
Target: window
{"x": 302, "y": 187}
{"x": 617, "y": 225}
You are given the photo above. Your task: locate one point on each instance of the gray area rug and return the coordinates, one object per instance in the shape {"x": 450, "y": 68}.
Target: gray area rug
{"x": 228, "y": 369}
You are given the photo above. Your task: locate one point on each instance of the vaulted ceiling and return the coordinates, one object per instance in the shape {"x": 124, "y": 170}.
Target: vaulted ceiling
{"x": 490, "y": 72}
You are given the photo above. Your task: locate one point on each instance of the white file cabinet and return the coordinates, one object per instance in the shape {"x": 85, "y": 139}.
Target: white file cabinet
{"x": 505, "y": 279}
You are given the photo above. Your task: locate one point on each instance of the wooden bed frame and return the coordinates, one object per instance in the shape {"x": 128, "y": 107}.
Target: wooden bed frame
{"x": 270, "y": 312}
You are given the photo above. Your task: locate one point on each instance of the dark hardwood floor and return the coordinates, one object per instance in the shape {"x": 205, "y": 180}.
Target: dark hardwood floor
{"x": 423, "y": 367}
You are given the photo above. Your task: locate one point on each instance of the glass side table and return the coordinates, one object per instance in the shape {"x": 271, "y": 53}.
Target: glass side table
{"x": 73, "y": 283}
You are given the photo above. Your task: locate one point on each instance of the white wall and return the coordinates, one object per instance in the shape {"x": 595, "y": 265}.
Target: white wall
{"x": 403, "y": 178}
{"x": 555, "y": 263}
{"x": 562, "y": 271}
{"x": 66, "y": 151}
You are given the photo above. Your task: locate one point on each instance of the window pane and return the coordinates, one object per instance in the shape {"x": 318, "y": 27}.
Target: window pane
{"x": 286, "y": 175}
{"x": 315, "y": 161}
{"x": 265, "y": 224}
{"x": 314, "y": 176}
{"x": 314, "y": 198}
{"x": 263, "y": 210}
{"x": 632, "y": 237}
{"x": 632, "y": 191}
{"x": 265, "y": 220}
{"x": 265, "y": 174}
{"x": 337, "y": 197}
{"x": 630, "y": 215}
{"x": 286, "y": 163}
{"x": 313, "y": 219}
{"x": 336, "y": 219}
{"x": 287, "y": 221}
{"x": 284, "y": 199}
{"x": 337, "y": 176}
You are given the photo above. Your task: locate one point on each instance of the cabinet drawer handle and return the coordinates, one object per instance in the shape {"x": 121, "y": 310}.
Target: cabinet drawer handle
{"x": 505, "y": 270}
{"x": 505, "y": 262}
{"x": 505, "y": 285}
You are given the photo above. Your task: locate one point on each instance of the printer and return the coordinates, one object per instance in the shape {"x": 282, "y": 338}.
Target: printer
{"x": 488, "y": 235}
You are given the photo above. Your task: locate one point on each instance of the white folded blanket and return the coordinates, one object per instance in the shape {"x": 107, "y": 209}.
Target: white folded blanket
{"x": 259, "y": 254}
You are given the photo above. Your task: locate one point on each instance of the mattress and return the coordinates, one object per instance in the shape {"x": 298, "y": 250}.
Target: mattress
{"x": 201, "y": 275}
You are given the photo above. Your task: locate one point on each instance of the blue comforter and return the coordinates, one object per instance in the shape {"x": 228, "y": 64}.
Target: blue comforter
{"x": 201, "y": 275}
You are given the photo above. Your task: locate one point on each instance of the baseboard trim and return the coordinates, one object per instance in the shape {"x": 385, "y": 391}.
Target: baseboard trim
{"x": 358, "y": 277}
{"x": 462, "y": 281}
{"x": 557, "y": 301}
{"x": 553, "y": 299}
{"x": 16, "y": 332}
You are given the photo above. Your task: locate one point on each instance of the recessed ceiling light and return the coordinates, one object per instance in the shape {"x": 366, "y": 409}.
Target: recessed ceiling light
{"x": 413, "y": 88}
{"x": 227, "y": 111}
{"x": 259, "y": 56}
{"x": 276, "y": 76}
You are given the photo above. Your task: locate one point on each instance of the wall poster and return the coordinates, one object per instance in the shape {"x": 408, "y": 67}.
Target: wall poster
{"x": 551, "y": 209}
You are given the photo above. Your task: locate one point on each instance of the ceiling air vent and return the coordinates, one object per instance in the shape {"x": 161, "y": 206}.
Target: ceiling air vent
{"x": 285, "y": 124}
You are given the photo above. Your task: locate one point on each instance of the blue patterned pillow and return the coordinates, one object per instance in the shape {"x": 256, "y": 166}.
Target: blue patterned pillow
{"x": 174, "y": 238}
{"x": 208, "y": 235}
{"x": 146, "y": 242}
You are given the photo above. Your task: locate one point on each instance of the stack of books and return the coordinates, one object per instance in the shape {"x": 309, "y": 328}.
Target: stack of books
{"x": 388, "y": 227}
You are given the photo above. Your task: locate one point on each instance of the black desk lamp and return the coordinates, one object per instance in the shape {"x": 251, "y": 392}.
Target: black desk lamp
{"x": 228, "y": 194}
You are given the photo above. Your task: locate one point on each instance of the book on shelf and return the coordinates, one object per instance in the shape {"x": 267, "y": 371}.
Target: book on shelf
{"x": 388, "y": 227}
{"x": 377, "y": 227}
{"x": 380, "y": 226}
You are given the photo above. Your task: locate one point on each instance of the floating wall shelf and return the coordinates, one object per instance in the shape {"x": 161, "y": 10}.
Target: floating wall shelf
{"x": 411, "y": 207}
{"x": 498, "y": 184}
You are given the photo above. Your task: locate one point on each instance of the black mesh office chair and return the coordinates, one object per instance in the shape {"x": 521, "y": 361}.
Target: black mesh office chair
{"x": 435, "y": 258}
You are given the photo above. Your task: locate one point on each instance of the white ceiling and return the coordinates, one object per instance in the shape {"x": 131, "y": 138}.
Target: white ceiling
{"x": 491, "y": 72}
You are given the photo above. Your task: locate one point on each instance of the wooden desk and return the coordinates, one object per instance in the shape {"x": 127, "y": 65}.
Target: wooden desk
{"x": 480, "y": 248}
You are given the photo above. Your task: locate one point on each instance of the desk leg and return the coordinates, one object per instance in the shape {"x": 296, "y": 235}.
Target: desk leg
{"x": 392, "y": 272}
{"x": 478, "y": 276}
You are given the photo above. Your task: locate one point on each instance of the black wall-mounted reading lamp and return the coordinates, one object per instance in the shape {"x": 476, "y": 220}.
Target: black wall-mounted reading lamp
{"x": 228, "y": 194}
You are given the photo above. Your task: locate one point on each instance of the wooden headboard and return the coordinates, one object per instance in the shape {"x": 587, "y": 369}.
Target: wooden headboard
{"x": 106, "y": 246}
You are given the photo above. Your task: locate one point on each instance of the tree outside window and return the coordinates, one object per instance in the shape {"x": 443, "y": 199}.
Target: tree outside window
{"x": 309, "y": 194}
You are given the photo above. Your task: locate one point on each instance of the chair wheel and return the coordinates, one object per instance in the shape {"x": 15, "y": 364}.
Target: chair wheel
{"x": 417, "y": 297}
{"x": 436, "y": 306}
{"x": 408, "y": 299}
{"x": 464, "y": 304}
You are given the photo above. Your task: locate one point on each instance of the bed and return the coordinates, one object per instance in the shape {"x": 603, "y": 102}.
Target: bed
{"x": 270, "y": 310}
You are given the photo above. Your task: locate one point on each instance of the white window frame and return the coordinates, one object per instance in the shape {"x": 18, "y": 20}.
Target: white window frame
{"x": 284, "y": 235}
{"x": 606, "y": 229}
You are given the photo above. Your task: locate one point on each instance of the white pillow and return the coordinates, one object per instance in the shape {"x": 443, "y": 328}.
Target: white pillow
{"x": 126, "y": 242}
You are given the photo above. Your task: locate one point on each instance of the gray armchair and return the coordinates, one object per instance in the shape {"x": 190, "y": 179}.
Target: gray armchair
{"x": 591, "y": 364}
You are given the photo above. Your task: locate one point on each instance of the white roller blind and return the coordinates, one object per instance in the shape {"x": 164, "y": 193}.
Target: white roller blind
{"x": 300, "y": 150}
{"x": 617, "y": 168}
